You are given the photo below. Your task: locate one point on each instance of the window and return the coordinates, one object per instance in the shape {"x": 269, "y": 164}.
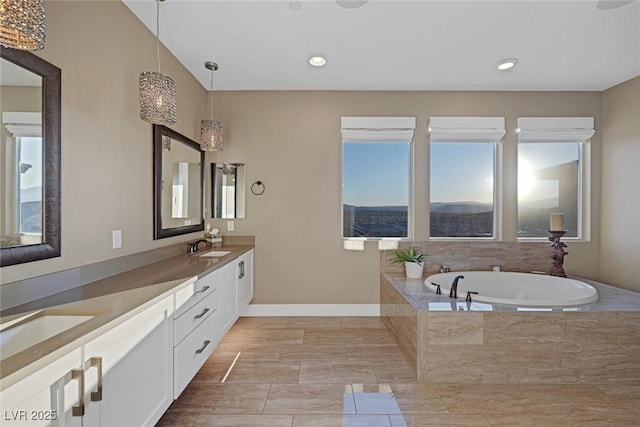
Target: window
{"x": 552, "y": 174}
{"x": 376, "y": 177}
{"x": 463, "y": 176}
{"x": 462, "y": 188}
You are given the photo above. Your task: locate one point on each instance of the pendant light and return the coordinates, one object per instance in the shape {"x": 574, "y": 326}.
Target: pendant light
{"x": 211, "y": 131}
{"x": 22, "y": 24}
{"x": 157, "y": 91}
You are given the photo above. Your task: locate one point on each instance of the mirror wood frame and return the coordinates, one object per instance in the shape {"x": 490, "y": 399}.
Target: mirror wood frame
{"x": 51, "y": 120}
{"x": 159, "y": 232}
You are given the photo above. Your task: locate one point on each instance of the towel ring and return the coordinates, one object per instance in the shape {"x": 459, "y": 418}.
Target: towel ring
{"x": 258, "y": 188}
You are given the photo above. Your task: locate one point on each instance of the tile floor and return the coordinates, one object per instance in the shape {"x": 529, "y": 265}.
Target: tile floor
{"x": 328, "y": 371}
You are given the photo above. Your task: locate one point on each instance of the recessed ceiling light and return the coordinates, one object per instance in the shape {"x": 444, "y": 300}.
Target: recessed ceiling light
{"x": 507, "y": 64}
{"x": 318, "y": 61}
{"x": 612, "y": 4}
{"x": 351, "y": 4}
{"x": 295, "y": 5}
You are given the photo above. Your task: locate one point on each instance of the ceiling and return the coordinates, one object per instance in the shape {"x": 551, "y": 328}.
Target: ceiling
{"x": 400, "y": 45}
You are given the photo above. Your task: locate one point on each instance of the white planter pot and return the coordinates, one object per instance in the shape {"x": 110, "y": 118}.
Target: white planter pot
{"x": 414, "y": 270}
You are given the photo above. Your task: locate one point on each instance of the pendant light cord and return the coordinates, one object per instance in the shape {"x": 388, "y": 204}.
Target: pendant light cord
{"x": 158, "y": 34}
{"x": 211, "y": 95}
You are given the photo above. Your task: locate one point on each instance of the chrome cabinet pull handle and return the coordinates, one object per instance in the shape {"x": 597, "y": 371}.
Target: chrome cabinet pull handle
{"x": 204, "y": 345}
{"x": 78, "y": 374}
{"x": 198, "y": 316}
{"x": 96, "y": 362}
{"x": 204, "y": 289}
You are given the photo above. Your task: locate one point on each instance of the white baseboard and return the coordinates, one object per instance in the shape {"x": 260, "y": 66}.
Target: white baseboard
{"x": 297, "y": 310}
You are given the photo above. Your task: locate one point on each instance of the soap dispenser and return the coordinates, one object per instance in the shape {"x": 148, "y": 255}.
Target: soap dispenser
{"x": 215, "y": 238}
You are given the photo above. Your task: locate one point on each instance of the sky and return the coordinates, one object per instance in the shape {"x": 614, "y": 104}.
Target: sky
{"x": 535, "y": 156}
{"x": 377, "y": 174}
{"x": 31, "y": 153}
{"x": 461, "y": 172}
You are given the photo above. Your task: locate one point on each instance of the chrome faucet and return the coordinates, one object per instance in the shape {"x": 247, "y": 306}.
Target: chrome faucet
{"x": 192, "y": 247}
{"x": 453, "y": 293}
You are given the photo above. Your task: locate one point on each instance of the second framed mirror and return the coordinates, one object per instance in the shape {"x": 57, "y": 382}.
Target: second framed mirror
{"x": 227, "y": 190}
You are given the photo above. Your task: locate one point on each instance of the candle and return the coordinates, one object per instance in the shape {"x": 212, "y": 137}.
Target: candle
{"x": 556, "y": 222}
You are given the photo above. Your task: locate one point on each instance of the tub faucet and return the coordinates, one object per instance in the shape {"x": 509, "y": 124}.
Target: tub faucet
{"x": 453, "y": 293}
{"x": 192, "y": 247}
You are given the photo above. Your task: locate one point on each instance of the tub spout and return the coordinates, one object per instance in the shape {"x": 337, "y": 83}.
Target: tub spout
{"x": 453, "y": 293}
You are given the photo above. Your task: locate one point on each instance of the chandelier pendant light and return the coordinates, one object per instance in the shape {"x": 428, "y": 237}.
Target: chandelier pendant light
{"x": 22, "y": 24}
{"x": 211, "y": 131}
{"x": 157, "y": 91}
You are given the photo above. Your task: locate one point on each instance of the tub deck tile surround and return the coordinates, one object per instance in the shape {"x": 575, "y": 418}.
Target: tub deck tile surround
{"x": 458, "y": 342}
{"x": 462, "y": 256}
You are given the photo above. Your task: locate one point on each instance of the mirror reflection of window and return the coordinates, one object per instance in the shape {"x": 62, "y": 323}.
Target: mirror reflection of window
{"x": 29, "y": 186}
{"x": 181, "y": 198}
{"x": 21, "y": 180}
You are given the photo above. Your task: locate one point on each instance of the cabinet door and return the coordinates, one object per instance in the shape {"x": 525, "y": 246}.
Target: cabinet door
{"x": 48, "y": 397}
{"x": 227, "y": 296}
{"x": 129, "y": 370}
{"x": 245, "y": 280}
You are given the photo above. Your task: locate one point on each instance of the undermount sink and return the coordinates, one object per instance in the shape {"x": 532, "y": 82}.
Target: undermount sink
{"x": 34, "y": 329}
{"x": 215, "y": 254}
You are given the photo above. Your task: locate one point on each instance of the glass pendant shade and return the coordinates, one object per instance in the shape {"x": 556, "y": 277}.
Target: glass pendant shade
{"x": 157, "y": 98}
{"x": 157, "y": 90}
{"x": 211, "y": 131}
{"x": 166, "y": 143}
{"x": 22, "y": 24}
{"x": 212, "y": 135}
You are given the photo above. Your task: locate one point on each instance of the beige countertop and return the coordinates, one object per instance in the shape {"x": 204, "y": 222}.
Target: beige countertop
{"x": 111, "y": 301}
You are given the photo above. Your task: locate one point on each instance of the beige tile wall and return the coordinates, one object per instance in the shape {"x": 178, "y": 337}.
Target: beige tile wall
{"x": 518, "y": 347}
{"x": 464, "y": 255}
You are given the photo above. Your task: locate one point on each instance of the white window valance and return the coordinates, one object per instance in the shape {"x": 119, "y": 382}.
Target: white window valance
{"x": 559, "y": 129}
{"x": 21, "y": 124}
{"x": 384, "y": 129}
{"x": 466, "y": 129}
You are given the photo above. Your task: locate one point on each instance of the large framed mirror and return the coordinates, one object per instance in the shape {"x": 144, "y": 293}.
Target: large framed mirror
{"x": 30, "y": 156}
{"x": 178, "y": 169}
{"x": 227, "y": 190}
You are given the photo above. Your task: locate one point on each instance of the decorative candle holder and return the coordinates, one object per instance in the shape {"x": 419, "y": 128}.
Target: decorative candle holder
{"x": 558, "y": 253}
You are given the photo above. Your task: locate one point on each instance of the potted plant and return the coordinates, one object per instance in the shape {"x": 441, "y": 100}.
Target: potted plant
{"x": 413, "y": 261}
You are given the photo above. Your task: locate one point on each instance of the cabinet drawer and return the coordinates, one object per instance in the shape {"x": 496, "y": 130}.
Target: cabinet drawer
{"x": 193, "y": 351}
{"x": 190, "y": 295}
{"x": 196, "y": 315}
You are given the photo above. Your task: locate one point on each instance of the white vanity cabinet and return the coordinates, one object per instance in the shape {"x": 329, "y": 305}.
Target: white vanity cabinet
{"x": 128, "y": 379}
{"x": 129, "y": 374}
{"x": 121, "y": 378}
{"x": 196, "y": 329}
{"x": 43, "y": 398}
{"x": 245, "y": 280}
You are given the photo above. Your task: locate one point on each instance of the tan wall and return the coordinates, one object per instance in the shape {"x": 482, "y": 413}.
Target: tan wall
{"x": 620, "y": 241}
{"x": 107, "y": 182}
{"x": 291, "y": 141}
